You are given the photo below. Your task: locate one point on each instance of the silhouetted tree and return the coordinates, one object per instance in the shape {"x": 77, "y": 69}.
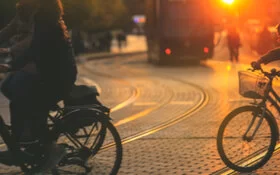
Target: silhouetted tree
{"x": 106, "y": 15}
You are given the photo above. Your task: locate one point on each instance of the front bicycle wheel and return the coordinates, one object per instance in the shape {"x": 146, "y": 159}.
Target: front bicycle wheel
{"x": 246, "y": 139}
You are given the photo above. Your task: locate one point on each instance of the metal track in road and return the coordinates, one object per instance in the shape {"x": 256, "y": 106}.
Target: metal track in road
{"x": 130, "y": 100}
{"x": 139, "y": 114}
{"x": 228, "y": 171}
{"x": 179, "y": 118}
{"x": 203, "y": 101}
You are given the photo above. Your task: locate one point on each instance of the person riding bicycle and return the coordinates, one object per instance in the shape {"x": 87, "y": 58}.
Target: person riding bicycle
{"x": 272, "y": 55}
{"x": 33, "y": 92}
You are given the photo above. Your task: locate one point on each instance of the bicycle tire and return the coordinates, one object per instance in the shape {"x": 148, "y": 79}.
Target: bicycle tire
{"x": 74, "y": 129}
{"x": 107, "y": 129}
{"x": 246, "y": 164}
{"x": 117, "y": 143}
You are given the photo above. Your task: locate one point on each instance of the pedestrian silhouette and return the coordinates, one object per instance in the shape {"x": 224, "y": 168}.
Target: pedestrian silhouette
{"x": 121, "y": 37}
{"x": 234, "y": 44}
{"x": 265, "y": 41}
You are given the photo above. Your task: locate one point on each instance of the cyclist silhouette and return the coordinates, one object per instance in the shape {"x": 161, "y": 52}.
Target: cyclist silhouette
{"x": 34, "y": 90}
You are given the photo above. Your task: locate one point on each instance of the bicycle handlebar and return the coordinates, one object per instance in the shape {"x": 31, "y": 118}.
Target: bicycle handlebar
{"x": 273, "y": 72}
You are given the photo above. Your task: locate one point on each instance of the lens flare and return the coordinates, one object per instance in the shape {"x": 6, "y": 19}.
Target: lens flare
{"x": 228, "y": 1}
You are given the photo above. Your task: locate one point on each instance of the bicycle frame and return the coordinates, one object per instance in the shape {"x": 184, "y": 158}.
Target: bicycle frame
{"x": 19, "y": 158}
{"x": 60, "y": 114}
{"x": 273, "y": 99}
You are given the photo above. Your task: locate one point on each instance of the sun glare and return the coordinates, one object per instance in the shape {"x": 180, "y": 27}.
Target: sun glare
{"x": 228, "y": 67}
{"x": 228, "y": 1}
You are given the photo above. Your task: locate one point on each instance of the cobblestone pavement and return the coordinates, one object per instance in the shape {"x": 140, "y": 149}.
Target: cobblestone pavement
{"x": 188, "y": 147}
{"x": 195, "y": 138}
{"x": 157, "y": 99}
{"x": 143, "y": 96}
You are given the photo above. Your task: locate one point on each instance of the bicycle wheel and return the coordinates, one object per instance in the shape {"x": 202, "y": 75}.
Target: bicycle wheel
{"x": 108, "y": 159}
{"x": 81, "y": 142}
{"x": 80, "y": 135}
{"x": 236, "y": 146}
{"x": 105, "y": 156}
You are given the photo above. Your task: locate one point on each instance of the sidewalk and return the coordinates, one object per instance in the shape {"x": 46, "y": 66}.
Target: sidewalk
{"x": 135, "y": 45}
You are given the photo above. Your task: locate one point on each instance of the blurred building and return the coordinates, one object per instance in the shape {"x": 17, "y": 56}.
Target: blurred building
{"x": 266, "y": 11}
{"x": 274, "y": 10}
{"x": 135, "y": 6}
{"x": 136, "y": 11}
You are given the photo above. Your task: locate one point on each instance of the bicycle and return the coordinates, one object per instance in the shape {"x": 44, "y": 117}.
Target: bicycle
{"x": 242, "y": 128}
{"x": 85, "y": 131}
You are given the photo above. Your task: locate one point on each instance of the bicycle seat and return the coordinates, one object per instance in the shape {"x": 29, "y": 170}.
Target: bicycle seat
{"x": 82, "y": 95}
{"x": 83, "y": 90}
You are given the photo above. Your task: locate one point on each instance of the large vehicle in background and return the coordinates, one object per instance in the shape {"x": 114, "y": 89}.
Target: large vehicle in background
{"x": 179, "y": 30}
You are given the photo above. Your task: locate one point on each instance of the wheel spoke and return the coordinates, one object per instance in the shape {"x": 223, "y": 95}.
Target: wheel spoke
{"x": 87, "y": 143}
{"x": 92, "y": 128}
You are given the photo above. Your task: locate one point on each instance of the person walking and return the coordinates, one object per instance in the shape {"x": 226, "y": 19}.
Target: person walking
{"x": 233, "y": 41}
{"x": 121, "y": 38}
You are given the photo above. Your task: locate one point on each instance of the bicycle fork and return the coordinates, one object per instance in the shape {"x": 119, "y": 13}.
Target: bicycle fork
{"x": 259, "y": 122}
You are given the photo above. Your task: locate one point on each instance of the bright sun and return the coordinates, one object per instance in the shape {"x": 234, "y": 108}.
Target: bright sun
{"x": 228, "y": 1}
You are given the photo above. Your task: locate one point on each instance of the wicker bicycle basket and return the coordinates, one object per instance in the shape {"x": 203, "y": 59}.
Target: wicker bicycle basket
{"x": 252, "y": 85}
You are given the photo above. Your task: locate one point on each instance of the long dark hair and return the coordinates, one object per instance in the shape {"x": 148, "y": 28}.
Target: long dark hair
{"x": 52, "y": 11}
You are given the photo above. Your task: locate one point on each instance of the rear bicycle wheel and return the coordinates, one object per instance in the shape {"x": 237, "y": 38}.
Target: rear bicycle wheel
{"x": 238, "y": 148}
{"x": 82, "y": 140}
{"x": 80, "y": 135}
{"x": 108, "y": 159}
{"x": 101, "y": 150}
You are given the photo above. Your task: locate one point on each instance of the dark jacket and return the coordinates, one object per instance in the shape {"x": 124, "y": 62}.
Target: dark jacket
{"x": 233, "y": 40}
{"x": 52, "y": 53}
{"x": 21, "y": 34}
{"x": 272, "y": 55}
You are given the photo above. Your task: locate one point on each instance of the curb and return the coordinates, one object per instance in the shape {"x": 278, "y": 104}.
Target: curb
{"x": 112, "y": 55}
